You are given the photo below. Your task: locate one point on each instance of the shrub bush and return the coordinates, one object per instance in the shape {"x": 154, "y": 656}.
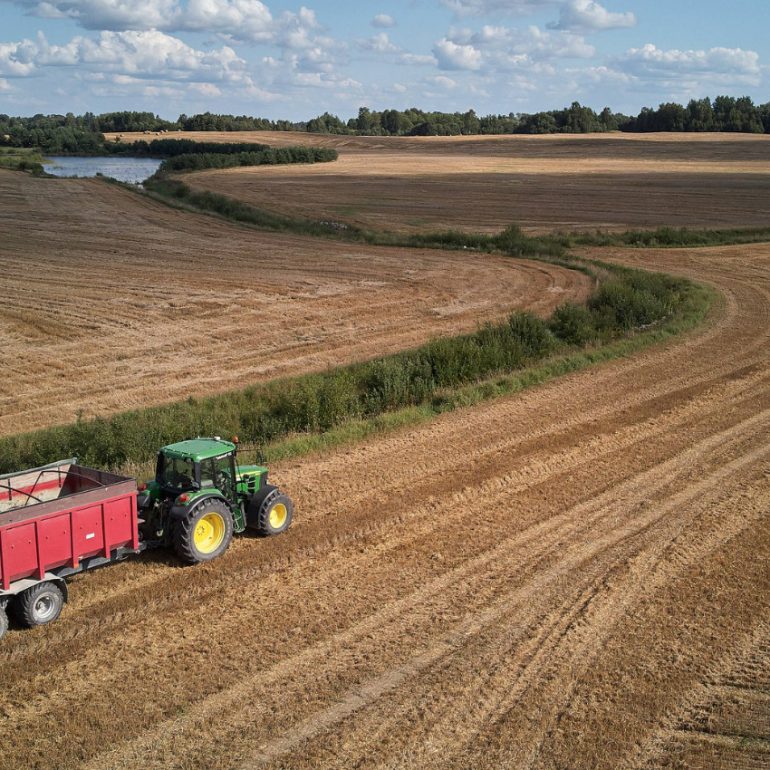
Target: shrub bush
{"x": 534, "y": 335}
{"x": 573, "y": 324}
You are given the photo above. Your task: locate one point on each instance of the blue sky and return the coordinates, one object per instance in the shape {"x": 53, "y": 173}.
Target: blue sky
{"x": 286, "y": 60}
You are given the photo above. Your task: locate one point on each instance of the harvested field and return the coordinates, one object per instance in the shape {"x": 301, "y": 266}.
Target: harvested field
{"x": 111, "y": 301}
{"x": 485, "y": 183}
{"x": 571, "y": 577}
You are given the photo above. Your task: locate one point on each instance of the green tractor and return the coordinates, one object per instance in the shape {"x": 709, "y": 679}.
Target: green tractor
{"x": 200, "y": 497}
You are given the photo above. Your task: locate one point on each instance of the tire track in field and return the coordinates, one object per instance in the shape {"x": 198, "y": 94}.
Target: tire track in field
{"x": 516, "y": 678}
{"x": 714, "y": 723}
{"x": 502, "y": 679}
{"x": 537, "y": 471}
{"x": 605, "y": 507}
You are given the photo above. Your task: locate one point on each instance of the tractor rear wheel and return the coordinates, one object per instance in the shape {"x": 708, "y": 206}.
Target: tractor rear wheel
{"x": 39, "y": 605}
{"x": 3, "y": 622}
{"x": 274, "y": 514}
{"x": 205, "y": 534}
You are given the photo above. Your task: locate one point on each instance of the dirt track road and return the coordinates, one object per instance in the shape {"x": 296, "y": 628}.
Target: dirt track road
{"x": 111, "y": 301}
{"x": 574, "y": 577}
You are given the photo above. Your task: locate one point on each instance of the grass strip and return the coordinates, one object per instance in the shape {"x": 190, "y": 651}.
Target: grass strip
{"x": 668, "y": 237}
{"x": 699, "y": 301}
{"x": 22, "y": 159}
{"x": 441, "y": 375}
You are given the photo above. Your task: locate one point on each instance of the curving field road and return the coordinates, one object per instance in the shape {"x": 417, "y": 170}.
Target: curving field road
{"x": 111, "y": 301}
{"x": 573, "y": 577}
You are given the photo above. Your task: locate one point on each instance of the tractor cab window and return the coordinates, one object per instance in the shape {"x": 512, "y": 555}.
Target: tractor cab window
{"x": 217, "y": 473}
{"x": 176, "y": 473}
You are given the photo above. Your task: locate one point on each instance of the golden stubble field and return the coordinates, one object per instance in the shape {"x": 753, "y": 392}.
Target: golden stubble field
{"x": 573, "y": 577}
{"x": 111, "y": 301}
{"x": 485, "y": 183}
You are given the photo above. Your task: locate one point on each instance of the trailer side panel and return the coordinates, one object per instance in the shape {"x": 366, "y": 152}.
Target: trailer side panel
{"x": 60, "y": 533}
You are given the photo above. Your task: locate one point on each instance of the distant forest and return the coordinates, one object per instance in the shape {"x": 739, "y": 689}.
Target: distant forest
{"x": 84, "y": 134}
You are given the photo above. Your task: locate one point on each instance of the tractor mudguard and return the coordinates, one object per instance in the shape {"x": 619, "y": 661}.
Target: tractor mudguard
{"x": 179, "y": 512}
{"x": 252, "y": 512}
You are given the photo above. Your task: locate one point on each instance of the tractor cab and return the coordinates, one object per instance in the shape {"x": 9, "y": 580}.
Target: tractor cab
{"x": 198, "y": 465}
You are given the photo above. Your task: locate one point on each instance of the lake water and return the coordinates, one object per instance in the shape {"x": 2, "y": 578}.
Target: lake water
{"x": 123, "y": 168}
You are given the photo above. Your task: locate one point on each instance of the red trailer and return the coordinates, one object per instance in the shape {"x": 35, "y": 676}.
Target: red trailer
{"x": 56, "y": 521}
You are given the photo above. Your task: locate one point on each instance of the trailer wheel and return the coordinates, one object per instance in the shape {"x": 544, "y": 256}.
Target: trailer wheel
{"x": 274, "y": 515}
{"x": 205, "y": 534}
{"x": 3, "y": 622}
{"x": 39, "y": 605}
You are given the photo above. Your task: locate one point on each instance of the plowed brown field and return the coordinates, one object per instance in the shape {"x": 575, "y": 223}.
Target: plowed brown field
{"x": 575, "y": 577}
{"x": 110, "y": 301}
{"x": 565, "y": 182}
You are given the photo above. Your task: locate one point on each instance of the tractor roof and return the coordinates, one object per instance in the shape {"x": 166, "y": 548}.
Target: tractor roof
{"x": 197, "y": 449}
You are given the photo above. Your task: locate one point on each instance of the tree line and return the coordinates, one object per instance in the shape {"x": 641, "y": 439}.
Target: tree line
{"x": 196, "y": 160}
{"x": 84, "y": 134}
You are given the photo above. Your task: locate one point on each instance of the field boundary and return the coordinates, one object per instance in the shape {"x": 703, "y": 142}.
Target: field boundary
{"x": 512, "y": 240}
{"x": 291, "y": 416}
{"x": 498, "y": 386}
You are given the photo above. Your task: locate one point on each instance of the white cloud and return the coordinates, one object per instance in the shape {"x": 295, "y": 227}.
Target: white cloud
{"x": 296, "y": 30}
{"x": 241, "y": 19}
{"x": 488, "y": 7}
{"x": 443, "y": 82}
{"x": 554, "y": 45}
{"x": 573, "y": 14}
{"x": 4, "y": 85}
{"x": 455, "y": 56}
{"x": 717, "y": 64}
{"x": 322, "y": 80}
{"x": 379, "y": 44}
{"x": 418, "y": 59}
{"x": 153, "y": 92}
{"x": 146, "y": 54}
{"x": 108, "y": 14}
{"x": 18, "y": 59}
{"x": 153, "y": 53}
{"x": 589, "y": 15}
{"x": 262, "y": 94}
{"x": 383, "y": 21}
{"x": 608, "y": 75}
{"x": 509, "y": 47}
{"x": 206, "y": 89}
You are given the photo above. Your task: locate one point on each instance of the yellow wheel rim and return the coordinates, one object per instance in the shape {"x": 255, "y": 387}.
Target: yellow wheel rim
{"x": 209, "y": 533}
{"x": 278, "y": 516}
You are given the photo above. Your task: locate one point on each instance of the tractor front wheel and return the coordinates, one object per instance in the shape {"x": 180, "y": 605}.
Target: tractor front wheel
{"x": 205, "y": 534}
{"x": 274, "y": 514}
{"x": 3, "y": 622}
